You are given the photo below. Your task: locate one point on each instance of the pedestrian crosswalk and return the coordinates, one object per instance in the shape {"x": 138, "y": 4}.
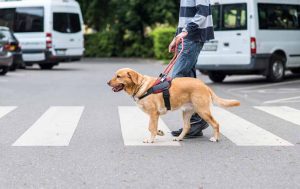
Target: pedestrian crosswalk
{"x": 5, "y": 110}
{"x": 57, "y": 125}
{"x": 54, "y": 128}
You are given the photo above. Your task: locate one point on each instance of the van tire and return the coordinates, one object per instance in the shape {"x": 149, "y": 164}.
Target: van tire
{"x": 295, "y": 70}
{"x": 216, "y": 77}
{"x": 46, "y": 66}
{"x": 276, "y": 68}
{"x": 4, "y": 70}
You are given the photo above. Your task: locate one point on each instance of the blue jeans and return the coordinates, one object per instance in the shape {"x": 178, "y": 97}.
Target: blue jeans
{"x": 185, "y": 64}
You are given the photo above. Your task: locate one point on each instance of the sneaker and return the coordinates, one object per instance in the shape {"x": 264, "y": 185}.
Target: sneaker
{"x": 197, "y": 125}
{"x": 188, "y": 135}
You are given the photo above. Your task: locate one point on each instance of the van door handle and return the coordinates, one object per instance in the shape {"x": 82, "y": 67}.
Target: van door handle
{"x": 226, "y": 44}
{"x": 71, "y": 40}
{"x": 238, "y": 34}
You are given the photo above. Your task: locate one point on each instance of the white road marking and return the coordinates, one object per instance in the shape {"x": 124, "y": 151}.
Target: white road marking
{"x": 134, "y": 126}
{"x": 286, "y": 113}
{"x": 54, "y": 128}
{"x": 263, "y": 86}
{"x": 4, "y": 110}
{"x": 284, "y": 100}
{"x": 244, "y": 133}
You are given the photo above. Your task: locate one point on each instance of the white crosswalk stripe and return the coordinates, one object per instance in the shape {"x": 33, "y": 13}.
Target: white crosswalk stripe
{"x": 244, "y": 133}
{"x": 134, "y": 126}
{"x": 58, "y": 124}
{"x": 54, "y": 128}
{"x": 4, "y": 110}
{"x": 287, "y": 113}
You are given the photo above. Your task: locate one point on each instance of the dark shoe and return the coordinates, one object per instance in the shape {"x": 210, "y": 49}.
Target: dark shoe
{"x": 198, "y": 122}
{"x": 197, "y": 125}
{"x": 193, "y": 133}
{"x": 188, "y": 135}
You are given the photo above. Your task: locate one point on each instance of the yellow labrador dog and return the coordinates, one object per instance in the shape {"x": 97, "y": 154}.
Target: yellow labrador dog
{"x": 189, "y": 94}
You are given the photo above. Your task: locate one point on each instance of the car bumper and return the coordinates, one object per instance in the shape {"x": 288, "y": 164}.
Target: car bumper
{"x": 46, "y": 56}
{"x": 6, "y": 60}
{"x": 259, "y": 64}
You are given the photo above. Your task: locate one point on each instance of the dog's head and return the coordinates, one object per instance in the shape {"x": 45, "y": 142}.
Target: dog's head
{"x": 125, "y": 79}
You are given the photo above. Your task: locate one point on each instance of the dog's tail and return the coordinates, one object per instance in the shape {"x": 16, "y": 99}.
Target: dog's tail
{"x": 225, "y": 103}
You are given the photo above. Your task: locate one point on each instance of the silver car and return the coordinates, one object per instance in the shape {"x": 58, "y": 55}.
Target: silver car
{"x": 6, "y": 58}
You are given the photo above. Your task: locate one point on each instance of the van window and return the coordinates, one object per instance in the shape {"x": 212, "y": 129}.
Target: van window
{"x": 279, "y": 16}
{"x": 23, "y": 19}
{"x": 216, "y": 16}
{"x": 234, "y": 17}
{"x": 230, "y": 17}
{"x": 66, "y": 22}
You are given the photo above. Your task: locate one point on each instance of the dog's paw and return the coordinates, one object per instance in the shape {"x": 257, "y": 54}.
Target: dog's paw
{"x": 213, "y": 139}
{"x": 160, "y": 133}
{"x": 148, "y": 141}
{"x": 177, "y": 139}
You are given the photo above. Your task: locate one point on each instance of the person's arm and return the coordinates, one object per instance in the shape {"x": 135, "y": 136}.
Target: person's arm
{"x": 200, "y": 19}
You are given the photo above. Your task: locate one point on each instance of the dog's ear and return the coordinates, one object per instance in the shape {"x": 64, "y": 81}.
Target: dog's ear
{"x": 133, "y": 76}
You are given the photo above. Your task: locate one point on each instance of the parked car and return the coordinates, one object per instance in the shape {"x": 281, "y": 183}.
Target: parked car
{"x": 49, "y": 31}
{"x": 253, "y": 37}
{"x": 13, "y": 47}
{"x": 5, "y": 55}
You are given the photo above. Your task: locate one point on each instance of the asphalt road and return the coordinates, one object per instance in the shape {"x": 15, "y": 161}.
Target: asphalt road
{"x": 96, "y": 157}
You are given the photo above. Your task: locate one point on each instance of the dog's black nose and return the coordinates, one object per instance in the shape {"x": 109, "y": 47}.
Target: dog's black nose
{"x": 108, "y": 83}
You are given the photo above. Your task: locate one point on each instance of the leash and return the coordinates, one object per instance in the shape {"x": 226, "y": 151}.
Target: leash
{"x": 161, "y": 85}
{"x": 163, "y": 76}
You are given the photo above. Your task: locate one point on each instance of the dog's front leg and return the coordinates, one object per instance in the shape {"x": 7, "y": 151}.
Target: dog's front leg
{"x": 152, "y": 127}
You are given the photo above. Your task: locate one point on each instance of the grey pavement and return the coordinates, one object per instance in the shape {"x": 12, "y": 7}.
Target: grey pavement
{"x": 96, "y": 156}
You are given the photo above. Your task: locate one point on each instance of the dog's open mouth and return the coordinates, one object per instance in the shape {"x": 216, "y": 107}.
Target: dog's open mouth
{"x": 118, "y": 88}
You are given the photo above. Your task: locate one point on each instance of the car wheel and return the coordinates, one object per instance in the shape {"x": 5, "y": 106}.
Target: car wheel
{"x": 276, "y": 69}
{"x": 3, "y": 70}
{"x": 46, "y": 66}
{"x": 295, "y": 70}
{"x": 216, "y": 77}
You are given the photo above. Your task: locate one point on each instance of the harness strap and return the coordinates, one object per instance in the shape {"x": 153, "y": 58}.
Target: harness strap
{"x": 149, "y": 92}
{"x": 166, "y": 95}
{"x": 160, "y": 88}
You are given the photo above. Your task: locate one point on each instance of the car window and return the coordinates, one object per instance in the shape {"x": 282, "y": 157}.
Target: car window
{"x": 5, "y": 35}
{"x": 279, "y": 16}
{"x": 66, "y": 22}
{"x": 234, "y": 17}
{"x": 2, "y": 36}
{"x": 23, "y": 19}
{"x": 216, "y": 16}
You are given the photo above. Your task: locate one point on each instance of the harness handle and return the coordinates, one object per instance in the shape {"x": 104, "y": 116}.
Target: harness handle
{"x": 165, "y": 73}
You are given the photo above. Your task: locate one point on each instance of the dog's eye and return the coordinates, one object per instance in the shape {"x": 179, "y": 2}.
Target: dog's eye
{"x": 118, "y": 76}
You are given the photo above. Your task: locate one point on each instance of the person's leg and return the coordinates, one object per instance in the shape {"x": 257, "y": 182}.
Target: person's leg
{"x": 185, "y": 67}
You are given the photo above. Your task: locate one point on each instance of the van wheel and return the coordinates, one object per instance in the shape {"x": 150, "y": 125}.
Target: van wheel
{"x": 276, "y": 69}
{"x": 216, "y": 77}
{"x": 3, "y": 70}
{"x": 46, "y": 66}
{"x": 295, "y": 70}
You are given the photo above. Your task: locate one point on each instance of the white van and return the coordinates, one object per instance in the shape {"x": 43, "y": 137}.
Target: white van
{"x": 49, "y": 31}
{"x": 253, "y": 37}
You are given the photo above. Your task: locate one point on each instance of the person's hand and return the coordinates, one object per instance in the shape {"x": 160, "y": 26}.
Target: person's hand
{"x": 172, "y": 46}
{"x": 179, "y": 36}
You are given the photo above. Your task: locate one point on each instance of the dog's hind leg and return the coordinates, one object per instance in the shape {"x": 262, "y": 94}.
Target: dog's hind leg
{"x": 206, "y": 115}
{"x": 187, "y": 114}
{"x": 153, "y": 123}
